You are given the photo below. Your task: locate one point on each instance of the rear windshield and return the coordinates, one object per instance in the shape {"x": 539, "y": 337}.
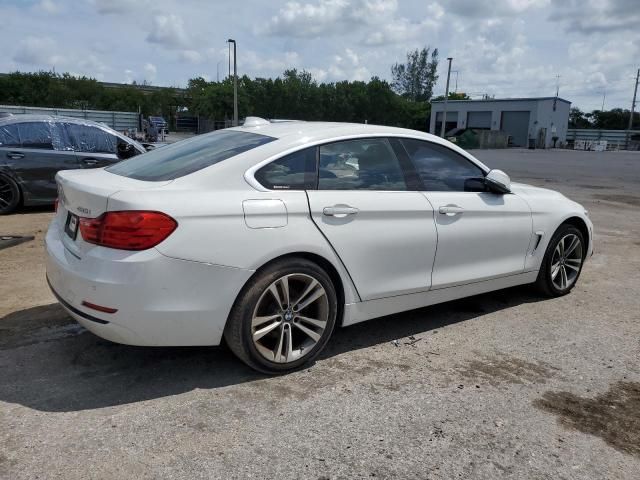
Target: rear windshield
{"x": 188, "y": 156}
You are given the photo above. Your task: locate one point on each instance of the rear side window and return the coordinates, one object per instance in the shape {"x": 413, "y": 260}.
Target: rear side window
{"x": 441, "y": 169}
{"x": 9, "y": 136}
{"x": 188, "y": 156}
{"x": 85, "y": 138}
{"x": 363, "y": 164}
{"x": 296, "y": 171}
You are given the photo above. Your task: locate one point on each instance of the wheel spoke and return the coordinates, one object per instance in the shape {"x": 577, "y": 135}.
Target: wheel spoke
{"x": 289, "y": 346}
{"x": 563, "y": 277}
{"x": 258, "y": 334}
{"x": 312, "y": 284}
{"x": 313, "y": 321}
{"x": 4, "y": 202}
{"x": 314, "y": 336}
{"x": 554, "y": 270}
{"x": 282, "y": 299}
{"x": 561, "y": 247}
{"x": 315, "y": 295}
{"x": 257, "y": 321}
{"x": 277, "y": 353}
{"x": 576, "y": 269}
{"x": 573, "y": 261}
{"x": 572, "y": 246}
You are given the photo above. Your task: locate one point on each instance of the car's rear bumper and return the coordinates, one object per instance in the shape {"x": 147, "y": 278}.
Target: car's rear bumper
{"x": 160, "y": 301}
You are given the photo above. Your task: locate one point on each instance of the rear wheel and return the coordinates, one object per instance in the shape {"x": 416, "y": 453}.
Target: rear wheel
{"x": 9, "y": 195}
{"x": 562, "y": 263}
{"x": 284, "y": 317}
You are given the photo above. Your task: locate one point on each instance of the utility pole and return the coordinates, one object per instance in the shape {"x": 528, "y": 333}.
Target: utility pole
{"x": 633, "y": 107}
{"x": 235, "y": 84}
{"x": 446, "y": 98}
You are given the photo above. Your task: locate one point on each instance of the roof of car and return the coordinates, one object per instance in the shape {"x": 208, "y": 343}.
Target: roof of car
{"x": 29, "y": 117}
{"x": 321, "y": 130}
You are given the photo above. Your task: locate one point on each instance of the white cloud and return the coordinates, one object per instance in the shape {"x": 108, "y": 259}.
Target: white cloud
{"x": 38, "y": 51}
{"x": 190, "y": 56}
{"x": 47, "y": 6}
{"x": 150, "y": 71}
{"x": 168, "y": 31}
{"x": 118, "y": 7}
{"x": 328, "y": 16}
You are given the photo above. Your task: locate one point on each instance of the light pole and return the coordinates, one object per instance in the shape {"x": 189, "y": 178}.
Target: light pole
{"x": 235, "y": 84}
{"x": 446, "y": 97}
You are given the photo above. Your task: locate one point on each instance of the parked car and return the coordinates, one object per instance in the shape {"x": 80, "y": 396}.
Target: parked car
{"x": 33, "y": 148}
{"x": 270, "y": 235}
{"x": 160, "y": 124}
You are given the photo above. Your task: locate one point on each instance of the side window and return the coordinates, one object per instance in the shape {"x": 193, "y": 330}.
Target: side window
{"x": 89, "y": 139}
{"x": 363, "y": 164}
{"x": 442, "y": 169}
{"x": 36, "y": 135}
{"x": 9, "y": 136}
{"x": 296, "y": 171}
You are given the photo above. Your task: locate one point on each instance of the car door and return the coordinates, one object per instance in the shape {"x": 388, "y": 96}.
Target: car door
{"x": 94, "y": 147}
{"x": 481, "y": 235}
{"x": 364, "y": 205}
{"x": 34, "y": 155}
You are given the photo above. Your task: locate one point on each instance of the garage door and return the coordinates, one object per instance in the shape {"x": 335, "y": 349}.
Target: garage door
{"x": 516, "y": 124}
{"x": 479, "y": 120}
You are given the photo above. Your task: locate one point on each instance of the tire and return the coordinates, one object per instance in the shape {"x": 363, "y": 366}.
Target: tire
{"x": 9, "y": 195}
{"x": 562, "y": 262}
{"x": 261, "y": 328}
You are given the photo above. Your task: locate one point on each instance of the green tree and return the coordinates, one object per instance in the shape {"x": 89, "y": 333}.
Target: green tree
{"x": 416, "y": 78}
{"x": 579, "y": 119}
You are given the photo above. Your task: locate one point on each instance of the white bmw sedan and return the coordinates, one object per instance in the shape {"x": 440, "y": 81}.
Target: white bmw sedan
{"x": 270, "y": 235}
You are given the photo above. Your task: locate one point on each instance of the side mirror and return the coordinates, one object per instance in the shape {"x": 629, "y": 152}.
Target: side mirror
{"x": 498, "y": 181}
{"x": 125, "y": 150}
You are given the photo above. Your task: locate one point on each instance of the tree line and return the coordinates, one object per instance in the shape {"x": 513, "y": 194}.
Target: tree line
{"x": 293, "y": 95}
{"x": 404, "y": 102}
{"x": 614, "y": 119}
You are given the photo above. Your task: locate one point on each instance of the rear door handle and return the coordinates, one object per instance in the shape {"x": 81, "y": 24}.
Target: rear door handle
{"x": 15, "y": 155}
{"x": 451, "y": 210}
{"x": 339, "y": 211}
{"x": 89, "y": 161}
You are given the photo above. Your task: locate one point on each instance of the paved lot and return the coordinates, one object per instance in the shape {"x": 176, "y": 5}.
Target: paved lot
{"x": 503, "y": 385}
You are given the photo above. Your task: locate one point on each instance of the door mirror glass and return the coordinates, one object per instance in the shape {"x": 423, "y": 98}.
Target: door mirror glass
{"x": 498, "y": 181}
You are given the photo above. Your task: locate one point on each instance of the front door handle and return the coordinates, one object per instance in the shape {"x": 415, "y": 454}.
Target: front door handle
{"x": 451, "y": 210}
{"x": 89, "y": 161}
{"x": 15, "y": 155}
{"x": 339, "y": 211}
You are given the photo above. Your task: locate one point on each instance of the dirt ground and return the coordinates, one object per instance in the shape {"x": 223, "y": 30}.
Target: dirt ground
{"x": 502, "y": 385}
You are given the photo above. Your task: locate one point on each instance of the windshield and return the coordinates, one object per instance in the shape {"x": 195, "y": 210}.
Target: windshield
{"x": 188, "y": 156}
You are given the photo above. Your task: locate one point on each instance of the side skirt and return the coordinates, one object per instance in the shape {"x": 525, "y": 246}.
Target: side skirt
{"x": 362, "y": 311}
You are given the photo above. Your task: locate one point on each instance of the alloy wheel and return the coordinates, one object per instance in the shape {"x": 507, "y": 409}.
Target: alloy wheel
{"x": 566, "y": 261}
{"x": 290, "y": 318}
{"x": 6, "y": 193}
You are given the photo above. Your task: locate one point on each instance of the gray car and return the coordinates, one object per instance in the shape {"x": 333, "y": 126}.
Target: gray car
{"x": 33, "y": 148}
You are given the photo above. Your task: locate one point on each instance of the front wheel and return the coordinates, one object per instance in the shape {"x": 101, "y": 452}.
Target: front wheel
{"x": 562, "y": 263}
{"x": 284, "y": 317}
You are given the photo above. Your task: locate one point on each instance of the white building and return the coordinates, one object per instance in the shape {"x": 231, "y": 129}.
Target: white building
{"x": 523, "y": 119}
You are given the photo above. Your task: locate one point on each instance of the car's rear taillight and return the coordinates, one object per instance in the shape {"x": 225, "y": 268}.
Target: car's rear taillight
{"x": 127, "y": 230}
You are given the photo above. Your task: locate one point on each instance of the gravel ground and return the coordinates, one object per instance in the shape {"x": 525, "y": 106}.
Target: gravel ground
{"x": 502, "y": 385}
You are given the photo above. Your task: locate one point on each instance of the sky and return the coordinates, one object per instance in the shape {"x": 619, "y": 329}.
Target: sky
{"x": 503, "y": 48}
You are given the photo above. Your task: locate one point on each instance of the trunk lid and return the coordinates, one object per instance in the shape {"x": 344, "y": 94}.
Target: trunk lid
{"x": 86, "y": 192}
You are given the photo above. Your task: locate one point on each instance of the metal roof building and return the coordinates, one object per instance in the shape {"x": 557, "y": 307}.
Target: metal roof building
{"x": 523, "y": 119}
